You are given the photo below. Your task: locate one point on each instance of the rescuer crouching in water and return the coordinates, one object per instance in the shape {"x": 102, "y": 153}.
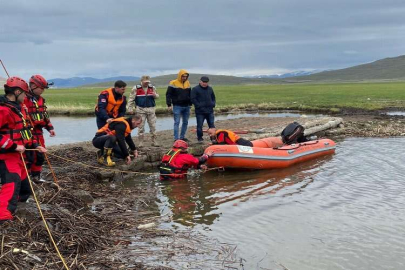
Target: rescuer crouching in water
{"x": 112, "y": 138}
{"x": 176, "y": 162}
{"x": 223, "y": 136}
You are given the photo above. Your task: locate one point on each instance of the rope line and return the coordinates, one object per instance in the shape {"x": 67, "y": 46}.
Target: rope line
{"x": 116, "y": 170}
{"x": 42, "y": 216}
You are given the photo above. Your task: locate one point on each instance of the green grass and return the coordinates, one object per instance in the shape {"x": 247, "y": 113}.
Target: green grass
{"x": 326, "y": 97}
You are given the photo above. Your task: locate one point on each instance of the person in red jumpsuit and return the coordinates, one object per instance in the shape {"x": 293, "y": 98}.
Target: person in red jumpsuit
{"x": 176, "y": 162}
{"x": 15, "y": 135}
{"x": 39, "y": 119}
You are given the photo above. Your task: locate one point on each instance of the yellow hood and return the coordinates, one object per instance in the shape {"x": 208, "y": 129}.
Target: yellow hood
{"x": 177, "y": 83}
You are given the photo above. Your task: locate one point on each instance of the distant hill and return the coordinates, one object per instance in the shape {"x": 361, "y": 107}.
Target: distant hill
{"x": 194, "y": 79}
{"x": 79, "y": 81}
{"x": 388, "y": 69}
{"x": 285, "y": 75}
{"x": 2, "y": 81}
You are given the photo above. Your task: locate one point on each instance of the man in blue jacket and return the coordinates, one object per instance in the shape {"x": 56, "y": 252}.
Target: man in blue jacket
{"x": 203, "y": 98}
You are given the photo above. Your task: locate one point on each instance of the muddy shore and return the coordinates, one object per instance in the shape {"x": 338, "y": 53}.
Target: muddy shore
{"x": 97, "y": 220}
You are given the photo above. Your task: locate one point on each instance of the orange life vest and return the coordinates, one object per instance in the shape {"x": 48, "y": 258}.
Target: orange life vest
{"x": 112, "y": 104}
{"x": 107, "y": 130}
{"x": 231, "y": 135}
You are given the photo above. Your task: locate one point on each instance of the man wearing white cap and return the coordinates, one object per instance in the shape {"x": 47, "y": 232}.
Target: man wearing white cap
{"x": 142, "y": 99}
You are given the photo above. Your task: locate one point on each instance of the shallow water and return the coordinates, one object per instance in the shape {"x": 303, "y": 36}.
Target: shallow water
{"x": 71, "y": 129}
{"x": 346, "y": 211}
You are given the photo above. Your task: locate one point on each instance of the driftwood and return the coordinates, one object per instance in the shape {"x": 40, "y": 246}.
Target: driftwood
{"x": 311, "y": 127}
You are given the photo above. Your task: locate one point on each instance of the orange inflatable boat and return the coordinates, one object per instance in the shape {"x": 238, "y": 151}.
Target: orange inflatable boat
{"x": 268, "y": 153}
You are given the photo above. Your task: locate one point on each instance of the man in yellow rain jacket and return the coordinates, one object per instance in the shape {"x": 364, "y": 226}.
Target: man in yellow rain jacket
{"x": 179, "y": 102}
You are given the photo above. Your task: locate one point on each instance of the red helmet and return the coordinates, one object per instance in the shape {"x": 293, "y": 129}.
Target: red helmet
{"x": 17, "y": 82}
{"x": 180, "y": 144}
{"x": 39, "y": 81}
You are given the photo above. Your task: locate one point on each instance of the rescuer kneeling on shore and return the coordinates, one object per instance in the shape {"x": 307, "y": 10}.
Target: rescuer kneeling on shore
{"x": 112, "y": 138}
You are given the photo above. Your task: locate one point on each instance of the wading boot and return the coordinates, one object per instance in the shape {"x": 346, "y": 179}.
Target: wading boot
{"x": 100, "y": 156}
{"x": 108, "y": 157}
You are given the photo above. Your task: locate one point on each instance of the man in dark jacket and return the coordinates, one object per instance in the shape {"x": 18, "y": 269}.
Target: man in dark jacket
{"x": 112, "y": 138}
{"x": 203, "y": 98}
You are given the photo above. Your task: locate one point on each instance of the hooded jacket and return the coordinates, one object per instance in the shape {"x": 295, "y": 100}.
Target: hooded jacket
{"x": 178, "y": 93}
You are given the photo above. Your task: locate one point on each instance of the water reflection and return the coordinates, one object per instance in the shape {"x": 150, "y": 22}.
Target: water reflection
{"x": 196, "y": 200}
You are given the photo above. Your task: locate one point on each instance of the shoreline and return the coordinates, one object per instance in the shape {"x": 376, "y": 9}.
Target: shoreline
{"x": 95, "y": 219}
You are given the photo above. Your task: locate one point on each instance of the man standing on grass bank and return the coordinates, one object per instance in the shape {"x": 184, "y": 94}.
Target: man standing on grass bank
{"x": 203, "y": 98}
{"x": 112, "y": 138}
{"x": 39, "y": 119}
{"x": 178, "y": 101}
{"x": 15, "y": 135}
{"x": 111, "y": 104}
{"x": 142, "y": 98}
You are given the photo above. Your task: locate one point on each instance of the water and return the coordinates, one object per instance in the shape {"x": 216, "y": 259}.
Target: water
{"x": 346, "y": 211}
{"x": 397, "y": 113}
{"x": 78, "y": 129}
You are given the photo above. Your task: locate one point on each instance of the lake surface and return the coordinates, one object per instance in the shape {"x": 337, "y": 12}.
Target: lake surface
{"x": 78, "y": 129}
{"x": 345, "y": 211}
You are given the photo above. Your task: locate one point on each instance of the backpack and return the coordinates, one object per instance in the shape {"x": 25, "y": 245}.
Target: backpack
{"x": 293, "y": 133}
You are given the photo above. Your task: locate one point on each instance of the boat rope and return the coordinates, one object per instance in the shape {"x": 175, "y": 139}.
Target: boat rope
{"x": 116, "y": 170}
{"x": 42, "y": 216}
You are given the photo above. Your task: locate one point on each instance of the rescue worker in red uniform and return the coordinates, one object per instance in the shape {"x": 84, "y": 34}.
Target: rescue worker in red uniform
{"x": 112, "y": 138}
{"x": 15, "y": 135}
{"x": 176, "y": 162}
{"x": 111, "y": 104}
{"x": 223, "y": 136}
{"x": 39, "y": 119}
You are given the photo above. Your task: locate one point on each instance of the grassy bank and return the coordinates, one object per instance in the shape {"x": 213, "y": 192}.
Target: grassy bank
{"x": 325, "y": 97}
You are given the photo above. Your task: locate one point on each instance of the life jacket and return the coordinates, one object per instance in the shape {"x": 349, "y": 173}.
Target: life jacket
{"x": 106, "y": 128}
{"x": 167, "y": 170}
{"x": 228, "y": 137}
{"x": 18, "y": 130}
{"x": 37, "y": 110}
{"x": 144, "y": 99}
{"x": 112, "y": 104}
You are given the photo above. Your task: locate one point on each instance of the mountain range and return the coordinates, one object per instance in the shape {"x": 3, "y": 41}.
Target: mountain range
{"x": 387, "y": 69}
{"x": 79, "y": 81}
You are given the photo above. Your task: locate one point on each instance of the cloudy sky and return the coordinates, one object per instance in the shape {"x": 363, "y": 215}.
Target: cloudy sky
{"x": 130, "y": 37}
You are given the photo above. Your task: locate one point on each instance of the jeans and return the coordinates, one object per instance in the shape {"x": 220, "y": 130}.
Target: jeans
{"x": 180, "y": 112}
{"x": 200, "y": 122}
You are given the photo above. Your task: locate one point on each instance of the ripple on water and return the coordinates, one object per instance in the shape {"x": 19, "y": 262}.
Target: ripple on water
{"x": 342, "y": 212}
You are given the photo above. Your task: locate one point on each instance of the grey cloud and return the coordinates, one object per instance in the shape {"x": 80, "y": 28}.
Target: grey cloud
{"x": 108, "y": 38}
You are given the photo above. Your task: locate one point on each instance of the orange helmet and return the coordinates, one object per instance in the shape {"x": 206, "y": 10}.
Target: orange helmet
{"x": 39, "y": 81}
{"x": 17, "y": 82}
{"x": 180, "y": 144}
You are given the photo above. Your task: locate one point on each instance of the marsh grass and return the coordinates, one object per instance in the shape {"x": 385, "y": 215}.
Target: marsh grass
{"x": 306, "y": 97}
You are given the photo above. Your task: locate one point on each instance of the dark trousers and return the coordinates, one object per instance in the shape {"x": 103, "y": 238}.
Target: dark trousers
{"x": 107, "y": 141}
{"x": 201, "y": 117}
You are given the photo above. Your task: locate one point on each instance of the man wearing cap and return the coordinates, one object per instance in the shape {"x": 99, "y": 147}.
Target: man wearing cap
{"x": 203, "y": 98}
{"x": 142, "y": 99}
